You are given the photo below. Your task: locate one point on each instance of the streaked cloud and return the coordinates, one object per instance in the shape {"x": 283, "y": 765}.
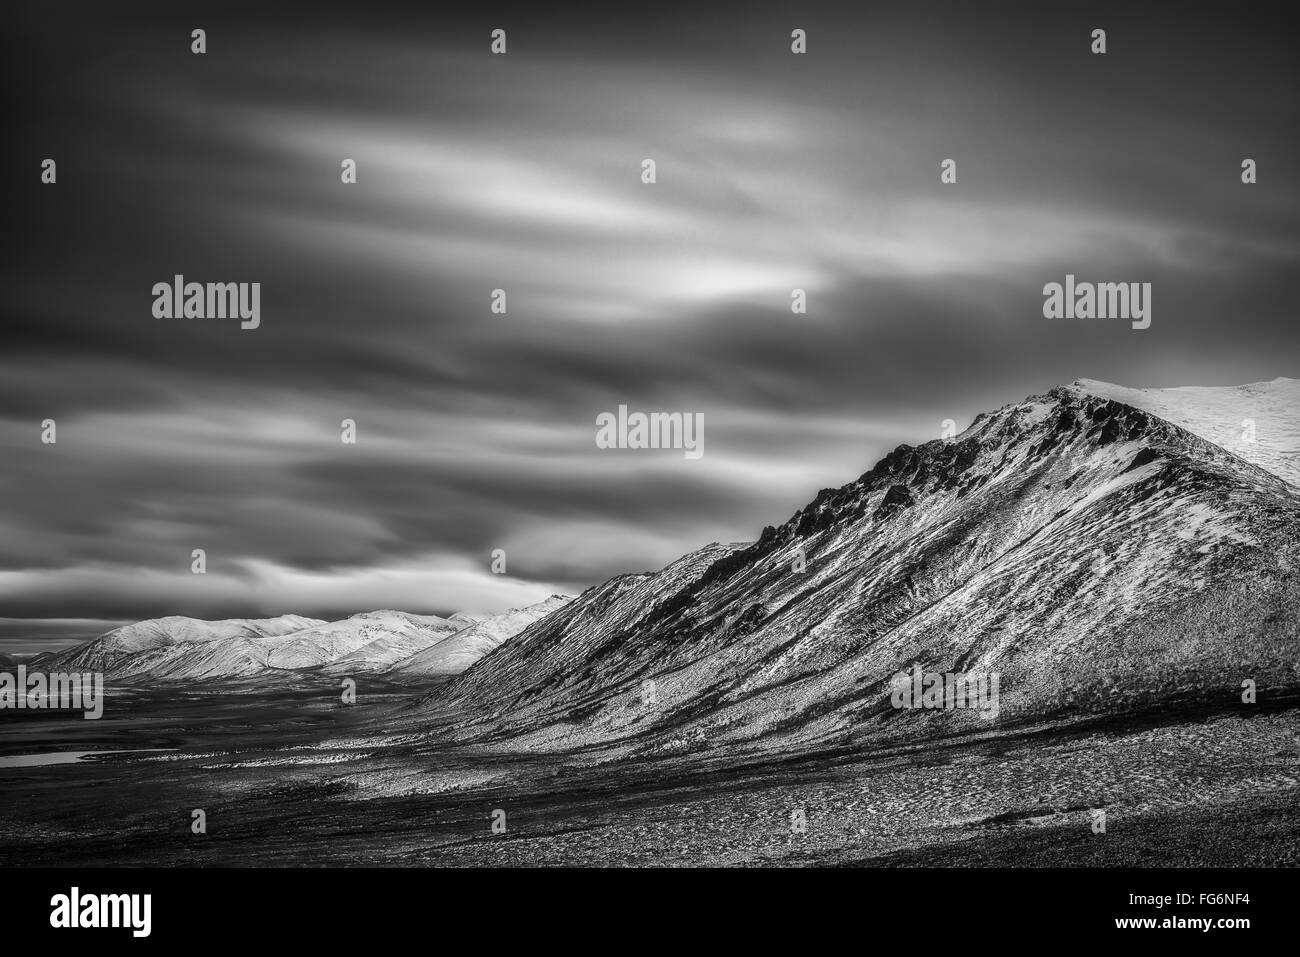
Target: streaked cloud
{"x": 523, "y": 173}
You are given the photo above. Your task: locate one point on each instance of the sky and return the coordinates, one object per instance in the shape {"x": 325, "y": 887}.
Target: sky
{"x": 522, "y": 172}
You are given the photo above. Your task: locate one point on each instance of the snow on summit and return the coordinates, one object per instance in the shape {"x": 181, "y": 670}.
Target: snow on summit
{"x": 1259, "y": 421}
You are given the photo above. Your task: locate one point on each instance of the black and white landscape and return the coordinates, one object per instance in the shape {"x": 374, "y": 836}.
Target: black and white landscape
{"x": 1104, "y": 550}
{"x": 831, "y": 434}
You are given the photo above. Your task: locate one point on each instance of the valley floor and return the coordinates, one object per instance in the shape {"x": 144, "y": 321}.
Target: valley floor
{"x": 292, "y": 777}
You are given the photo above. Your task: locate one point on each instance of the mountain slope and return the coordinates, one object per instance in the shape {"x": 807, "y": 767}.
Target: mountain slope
{"x": 180, "y": 649}
{"x": 162, "y": 642}
{"x": 379, "y": 636}
{"x": 467, "y": 645}
{"x": 177, "y": 649}
{"x": 1093, "y": 554}
{"x": 1257, "y": 421}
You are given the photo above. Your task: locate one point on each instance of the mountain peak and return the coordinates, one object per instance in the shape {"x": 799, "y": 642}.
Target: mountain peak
{"x": 1065, "y": 537}
{"x": 1258, "y": 421}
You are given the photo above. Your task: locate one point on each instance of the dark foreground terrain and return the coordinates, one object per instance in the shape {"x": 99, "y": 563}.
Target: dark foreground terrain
{"x": 292, "y": 777}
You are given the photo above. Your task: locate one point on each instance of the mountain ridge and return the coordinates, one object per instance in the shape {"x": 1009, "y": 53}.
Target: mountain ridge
{"x": 1064, "y": 539}
{"x": 177, "y": 648}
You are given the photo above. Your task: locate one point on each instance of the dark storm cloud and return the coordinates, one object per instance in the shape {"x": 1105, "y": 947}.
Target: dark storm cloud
{"x": 522, "y": 172}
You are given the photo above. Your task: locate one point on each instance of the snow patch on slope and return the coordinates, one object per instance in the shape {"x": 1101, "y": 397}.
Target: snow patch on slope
{"x": 457, "y": 652}
{"x": 1222, "y": 414}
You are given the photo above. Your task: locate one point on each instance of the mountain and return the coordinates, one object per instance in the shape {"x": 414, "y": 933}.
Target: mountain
{"x": 387, "y": 637}
{"x": 373, "y": 635}
{"x": 457, "y": 652}
{"x": 179, "y": 649}
{"x": 1095, "y": 555}
{"x": 1257, "y": 422}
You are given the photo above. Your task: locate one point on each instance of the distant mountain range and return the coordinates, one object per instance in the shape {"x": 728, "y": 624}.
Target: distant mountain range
{"x": 1097, "y": 547}
{"x": 467, "y": 645}
{"x": 182, "y": 649}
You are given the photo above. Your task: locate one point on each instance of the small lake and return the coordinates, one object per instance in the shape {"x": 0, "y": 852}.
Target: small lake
{"x": 63, "y": 757}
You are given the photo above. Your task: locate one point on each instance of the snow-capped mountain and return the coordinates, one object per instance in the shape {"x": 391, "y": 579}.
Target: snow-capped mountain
{"x": 376, "y": 636}
{"x": 229, "y": 646}
{"x": 458, "y": 651}
{"x": 389, "y": 637}
{"x": 1260, "y": 421}
{"x": 176, "y": 649}
{"x": 1093, "y": 554}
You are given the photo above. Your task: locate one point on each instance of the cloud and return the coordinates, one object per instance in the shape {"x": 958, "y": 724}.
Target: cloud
{"x": 475, "y": 173}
